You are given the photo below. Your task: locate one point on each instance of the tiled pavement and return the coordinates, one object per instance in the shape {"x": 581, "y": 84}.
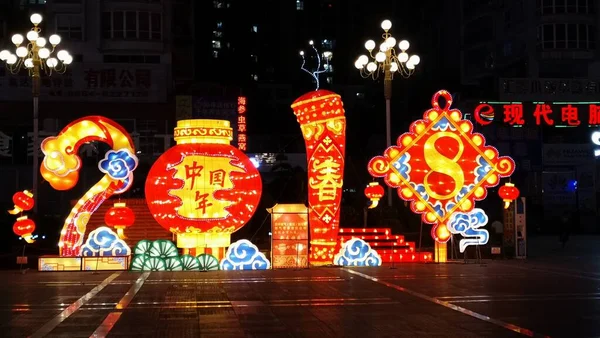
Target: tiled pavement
{"x": 421, "y": 300}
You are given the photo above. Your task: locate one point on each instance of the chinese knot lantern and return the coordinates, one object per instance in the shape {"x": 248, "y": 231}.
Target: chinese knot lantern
{"x": 119, "y": 217}
{"x": 321, "y": 117}
{"x": 23, "y": 201}
{"x": 203, "y": 189}
{"x": 24, "y": 227}
{"x": 508, "y": 192}
{"x": 374, "y": 192}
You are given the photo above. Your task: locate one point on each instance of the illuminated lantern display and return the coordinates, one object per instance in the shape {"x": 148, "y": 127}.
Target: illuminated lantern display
{"x": 440, "y": 166}
{"x": 119, "y": 217}
{"x": 23, "y": 201}
{"x": 374, "y": 193}
{"x": 508, "y": 193}
{"x": 323, "y": 124}
{"x": 203, "y": 189}
{"x": 24, "y": 228}
{"x": 61, "y": 164}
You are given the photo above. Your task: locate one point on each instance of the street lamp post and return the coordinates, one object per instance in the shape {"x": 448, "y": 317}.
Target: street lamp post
{"x": 388, "y": 62}
{"x": 36, "y": 58}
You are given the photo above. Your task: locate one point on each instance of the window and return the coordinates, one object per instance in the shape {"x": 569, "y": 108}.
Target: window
{"x": 217, "y": 34}
{"x": 215, "y": 54}
{"x": 549, "y": 7}
{"x": 155, "y": 59}
{"x": 299, "y": 5}
{"x": 219, "y": 24}
{"x": 221, "y": 4}
{"x": 216, "y": 44}
{"x": 567, "y": 36}
{"x": 255, "y": 28}
{"x": 254, "y": 58}
{"x": 69, "y": 26}
{"x": 132, "y": 25}
{"x": 37, "y": 2}
{"x": 254, "y": 77}
{"x": 328, "y": 44}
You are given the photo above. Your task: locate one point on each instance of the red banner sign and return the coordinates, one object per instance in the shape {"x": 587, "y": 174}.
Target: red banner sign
{"x": 290, "y": 238}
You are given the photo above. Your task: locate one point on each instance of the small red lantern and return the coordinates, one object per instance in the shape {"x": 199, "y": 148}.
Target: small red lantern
{"x": 23, "y": 201}
{"x": 508, "y": 192}
{"x": 24, "y": 227}
{"x": 374, "y": 192}
{"x": 119, "y": 217}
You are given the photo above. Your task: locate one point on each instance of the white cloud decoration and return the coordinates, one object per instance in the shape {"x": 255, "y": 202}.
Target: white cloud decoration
{"x": 357, "y": 252}
{"x": 243, "y": 255}
{"x": 104, "y": 242}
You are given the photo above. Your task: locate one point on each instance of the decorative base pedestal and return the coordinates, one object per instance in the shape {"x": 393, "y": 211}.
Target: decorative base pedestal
{"x": 441, "y": 252}
{"x": 57, "y": 263}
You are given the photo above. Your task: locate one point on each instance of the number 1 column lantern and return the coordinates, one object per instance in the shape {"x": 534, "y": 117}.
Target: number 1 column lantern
{"x": 321, "y": 117}
{"x": 203, "y": 189}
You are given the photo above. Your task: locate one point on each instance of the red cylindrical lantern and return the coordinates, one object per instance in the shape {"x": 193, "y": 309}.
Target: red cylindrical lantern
{"x": 24, "y": 227}
{"x": 23, "y": 201}
{"x": 203, "y": 189}
{"x": 508, "y": 192}
{"x": 323, "y": 124}
{"x": 374, "y": 192}
{"x": 119, "y": 217}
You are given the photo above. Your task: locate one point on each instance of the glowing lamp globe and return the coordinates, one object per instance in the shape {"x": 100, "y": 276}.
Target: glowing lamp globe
{"x": 203, "y": 189}
{"x": 119, "y": 217}
{"x": 508, "y": 192}
{"x": 23, "y": 201}
{"x": 24, "y": 228}
{"x": 374, "y": 192}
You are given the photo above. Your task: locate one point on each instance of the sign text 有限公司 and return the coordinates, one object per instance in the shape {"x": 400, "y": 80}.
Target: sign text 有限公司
{"x": 241, "y": 125}
{"x": 569, "y": 114}
{"x": 93, "y": 82}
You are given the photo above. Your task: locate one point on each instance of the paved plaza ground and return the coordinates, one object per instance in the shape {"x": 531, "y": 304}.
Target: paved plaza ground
{"x": 556, "y": 295}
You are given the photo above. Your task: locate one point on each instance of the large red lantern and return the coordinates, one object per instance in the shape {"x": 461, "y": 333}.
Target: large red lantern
{"x": 374, "y": 193}
{"x": 323, "y": 124}
{"x": 203, "y": 189}
{"x": 508, "y": 192}
{"x": 24, "y": 227}
{"x": 119, "y": 217}
{"x": 23, "y": 201}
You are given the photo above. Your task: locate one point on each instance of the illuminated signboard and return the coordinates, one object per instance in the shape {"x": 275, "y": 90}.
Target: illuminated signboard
{"x": 241, "y": 125}
{"x": 557, "y": 114}
{"x": 289, "y": 227}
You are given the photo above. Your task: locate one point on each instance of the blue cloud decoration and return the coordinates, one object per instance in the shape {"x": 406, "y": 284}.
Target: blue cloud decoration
{"x": 104, "y": 242}
{"x": 468, "y": 225}
{"x": 243, "y": 255}
{"x": 357, "y": 252}
{"x": 118, "y": 164}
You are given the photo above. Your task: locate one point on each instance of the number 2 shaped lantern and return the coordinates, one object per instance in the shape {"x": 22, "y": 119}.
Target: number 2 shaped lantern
{"x": 440, "y": 166}
{"x": 61, "y": 166}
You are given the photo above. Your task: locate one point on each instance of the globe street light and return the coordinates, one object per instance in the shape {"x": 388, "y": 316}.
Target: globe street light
{"x": 388, "y": 61}
{"x": 33, "y": 54}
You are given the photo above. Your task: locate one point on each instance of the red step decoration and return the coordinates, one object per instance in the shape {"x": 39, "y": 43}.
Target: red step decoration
{"x": 391, "y": 248}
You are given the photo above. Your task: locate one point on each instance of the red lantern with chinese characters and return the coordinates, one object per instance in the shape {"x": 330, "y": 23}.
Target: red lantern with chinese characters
{"x": 508, "y": 192}
{"x": 203, "y": 189}
{"x": 119, "y": 217}
{"x": 323, "y": 124}
{"x": 374, "y": 192}
{"x": 23, "y": 201}
{"x": 24, "y": 227}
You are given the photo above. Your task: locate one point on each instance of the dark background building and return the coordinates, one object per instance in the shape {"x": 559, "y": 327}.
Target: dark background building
{"x": 203, "y": 55}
